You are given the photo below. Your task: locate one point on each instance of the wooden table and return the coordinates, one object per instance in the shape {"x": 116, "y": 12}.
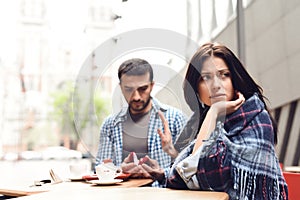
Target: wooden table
{"x": 133, "y": 193}
{"x": 295, "y": 169}
{"x": 127, "y": 190}
{"x": 19, "y": 190}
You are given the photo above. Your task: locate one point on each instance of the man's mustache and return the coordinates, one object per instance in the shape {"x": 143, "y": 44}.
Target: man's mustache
{"x": 136, "y": 101}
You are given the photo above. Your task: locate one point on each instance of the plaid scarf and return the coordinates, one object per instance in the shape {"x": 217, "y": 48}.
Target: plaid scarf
{"x": 238, "y": 158}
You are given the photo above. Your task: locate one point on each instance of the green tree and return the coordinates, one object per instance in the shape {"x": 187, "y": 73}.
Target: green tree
{"x": 73, "y": 120}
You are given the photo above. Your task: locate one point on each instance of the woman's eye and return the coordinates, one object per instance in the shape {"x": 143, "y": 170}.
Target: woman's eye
{"x": 225, "y": 74}
{"x": 205, "y": 77}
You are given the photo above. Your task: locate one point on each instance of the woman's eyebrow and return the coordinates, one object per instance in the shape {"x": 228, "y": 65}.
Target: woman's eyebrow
{"x": 205, "y": 72}
{"x": 220, "y": 70}
{"x": 225, "y": 69}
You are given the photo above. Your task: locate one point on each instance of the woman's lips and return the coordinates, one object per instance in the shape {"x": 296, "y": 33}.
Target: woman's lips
{"x": 217, "y": 96}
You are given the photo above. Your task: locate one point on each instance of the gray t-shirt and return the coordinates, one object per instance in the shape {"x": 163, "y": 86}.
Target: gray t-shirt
{"x": 135, "y": 134}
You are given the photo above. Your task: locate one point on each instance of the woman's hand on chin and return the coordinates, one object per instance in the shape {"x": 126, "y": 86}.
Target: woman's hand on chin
{"x": 228, "y": 107}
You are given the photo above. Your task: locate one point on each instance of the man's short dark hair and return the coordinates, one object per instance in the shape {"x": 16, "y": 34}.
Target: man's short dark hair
{"x": 135, "y": 67}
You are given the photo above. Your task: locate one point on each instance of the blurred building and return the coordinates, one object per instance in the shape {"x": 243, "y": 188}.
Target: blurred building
{"x": 266, "y": 36}
{"x": 50, "y": 41}
{"x": 47, "y": 42}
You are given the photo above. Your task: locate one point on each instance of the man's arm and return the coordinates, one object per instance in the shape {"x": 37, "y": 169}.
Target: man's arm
{"x": 105, "y": 146}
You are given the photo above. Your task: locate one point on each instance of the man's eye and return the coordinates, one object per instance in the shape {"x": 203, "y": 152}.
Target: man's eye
{"x": 142, "y": 89}
{"x": 128, "y": 90}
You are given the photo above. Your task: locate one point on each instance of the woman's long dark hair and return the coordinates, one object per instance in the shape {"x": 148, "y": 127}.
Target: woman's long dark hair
{"x": 240, "y": 78}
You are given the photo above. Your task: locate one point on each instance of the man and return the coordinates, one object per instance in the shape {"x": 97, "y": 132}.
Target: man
{"x": 133, "y": 131}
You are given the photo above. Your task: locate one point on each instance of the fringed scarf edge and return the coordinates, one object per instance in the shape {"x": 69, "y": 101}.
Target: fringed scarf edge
{"x": 249, "y": 185}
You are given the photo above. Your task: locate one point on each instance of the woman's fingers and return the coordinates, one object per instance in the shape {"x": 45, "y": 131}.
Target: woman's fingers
{"x": 164, "y": 121}
{"x": 238, "y": 102}
{"x": 165, "y": 136}
{"x": 160, "y": 133}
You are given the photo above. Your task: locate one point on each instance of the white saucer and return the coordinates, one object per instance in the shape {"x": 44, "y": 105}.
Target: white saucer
{"x": 105, "y": 182}
{"x": 76, "y": 178}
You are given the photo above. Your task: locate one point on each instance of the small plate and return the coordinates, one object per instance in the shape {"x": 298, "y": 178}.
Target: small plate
{"x": 95, "y": 177}
{"x": 105, "y": 182}
{"x": 76, "y": 178}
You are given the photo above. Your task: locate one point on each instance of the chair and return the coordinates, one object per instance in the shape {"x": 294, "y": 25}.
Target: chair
{"x": 293, "y": 181}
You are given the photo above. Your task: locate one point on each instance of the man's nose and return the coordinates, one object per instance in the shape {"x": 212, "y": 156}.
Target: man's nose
{"x": 135, "y": 95}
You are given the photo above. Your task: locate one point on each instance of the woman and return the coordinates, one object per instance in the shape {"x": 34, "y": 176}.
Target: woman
{"x": 235, "y": 135}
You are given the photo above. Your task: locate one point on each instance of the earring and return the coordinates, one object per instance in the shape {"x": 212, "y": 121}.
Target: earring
{"x": 202, "y": 104}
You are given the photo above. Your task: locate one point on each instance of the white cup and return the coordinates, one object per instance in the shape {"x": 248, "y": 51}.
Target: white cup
{"x": 78, "y": 170}
{"x": 105, "y": 173}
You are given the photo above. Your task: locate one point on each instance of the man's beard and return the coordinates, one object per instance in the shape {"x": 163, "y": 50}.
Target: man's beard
{"x": 139, "y": 109}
